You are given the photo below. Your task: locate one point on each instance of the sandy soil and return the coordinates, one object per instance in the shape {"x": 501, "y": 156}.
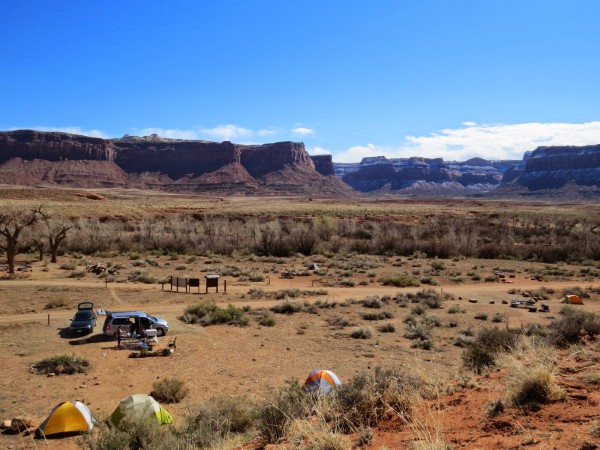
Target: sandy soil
{"x": 248, "y": 360}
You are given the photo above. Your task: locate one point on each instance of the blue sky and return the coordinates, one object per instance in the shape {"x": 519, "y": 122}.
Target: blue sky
{"x": 432, "y": 78}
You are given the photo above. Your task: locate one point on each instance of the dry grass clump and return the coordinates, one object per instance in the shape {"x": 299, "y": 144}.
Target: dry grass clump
{"x": 169, "y": 390}
{"x": 532, "y": 381}
{"x": 316, "y": 435}
{"x": 283, "y": 406}
{"x": 61, "y": 364}
{"x": 218, "y": 420}
{"x": 367, "y": 398}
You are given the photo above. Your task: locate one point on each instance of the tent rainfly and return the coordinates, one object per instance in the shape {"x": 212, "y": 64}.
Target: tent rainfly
{"x": 67, "y": 417}
{"x": 573, "y": 300}
{"x": 140, "y": 406}
{"x": 321, "y": 381}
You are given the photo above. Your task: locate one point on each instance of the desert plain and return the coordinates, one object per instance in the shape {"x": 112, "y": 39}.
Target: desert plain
{"x": 37, "y": 304}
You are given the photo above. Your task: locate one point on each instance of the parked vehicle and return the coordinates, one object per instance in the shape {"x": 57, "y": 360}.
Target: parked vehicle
{"x": 133, "y": 321}
{"x": 84, "y": 320}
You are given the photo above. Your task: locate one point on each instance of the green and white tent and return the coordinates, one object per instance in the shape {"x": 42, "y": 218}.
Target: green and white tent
{"x": 140, "y": 407}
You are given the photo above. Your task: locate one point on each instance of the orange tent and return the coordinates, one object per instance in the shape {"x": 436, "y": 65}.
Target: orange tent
{"x": 573, "y": 300}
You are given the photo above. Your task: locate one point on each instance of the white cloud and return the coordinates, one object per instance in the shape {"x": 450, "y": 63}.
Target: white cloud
{"x": 266, "y": 132}
{"x": 226, "y": 132}
{"x": 169, "y": 134}
{"x": 358, "y": 152}
{"x": 318, "y": 151}
{"x": 73, "y": 130}
{"x": 303, "y": 131}
{"x": 492, "y": 142}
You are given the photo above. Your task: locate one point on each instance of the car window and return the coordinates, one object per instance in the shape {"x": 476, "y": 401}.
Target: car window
{"x": 83, "y": 315}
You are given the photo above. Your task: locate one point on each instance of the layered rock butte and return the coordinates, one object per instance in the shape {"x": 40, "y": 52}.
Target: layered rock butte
{"x": 30, "y": 157}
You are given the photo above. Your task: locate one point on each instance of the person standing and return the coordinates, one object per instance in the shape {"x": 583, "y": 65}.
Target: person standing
{"x": 119, "y": 337}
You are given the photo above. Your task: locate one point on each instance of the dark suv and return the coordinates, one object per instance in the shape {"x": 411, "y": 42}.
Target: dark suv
{"x": 84, "y": 320}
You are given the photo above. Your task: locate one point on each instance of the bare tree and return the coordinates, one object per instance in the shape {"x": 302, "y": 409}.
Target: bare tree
{"x": 57, "y": 232}
{"x": 12, "y": 223}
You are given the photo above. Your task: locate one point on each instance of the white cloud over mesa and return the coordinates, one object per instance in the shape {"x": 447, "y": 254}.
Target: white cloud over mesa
{"x": 492, "y": 142}
{"x": 70, "y": 130}
{"x": 228, "y": 132}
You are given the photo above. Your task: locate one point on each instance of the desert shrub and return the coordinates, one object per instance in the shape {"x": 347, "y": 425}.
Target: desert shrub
{"x": 437, "y": 264}
{"x": 287, "y": 307}
{"x": 169, "y": 390}
{"x": 423, "y": 344}
{"x": 452, "y": 323}
{"x": 387, "y": 328}
{"x": 498, "y": 317}
{"x": 61, "y": 364}
{"x": 478, "y": 358}
{"x": 595, "y": 430}
{"x": 256, "y": 293}
{"x": 497, "y": 339}
{"x": 207, "y": 313}
{"x": 463, "y": 341}
{"x": 255, "y": 277}
{"x": 372, "y": 302}
{"x": 338, "y": 322}
{"x": 267, "y": 320}
{"x": 400, "y": 281}
{"x": 535, "y": 329}
{"x": 418, "y": 310}
{"x": 417, "y": 331}
{"x": 327, "y": 304}
{"x": 216, "y": 420}
{"x": 572, "y": 327}
{"x": 181, "y": 267}
{"x": 56, "y": 303}
{"x": 381, "y": 315}
{"x": 316, "y": 434}
{"x": 287, "y": 293}
{"x": 141, "y": 276}
{"x": 365, "y": 399}
{"x": 494, "y": 408}
{"x": 481, "y": 316}
{"x": 283, "y": 406}
{"x": 361, "y": 333}
{"x": 456, "y": 309}
{"x": 131, "y": 434}
{"x": 68, "y": 266}
{"x": 78, "y": 274}
{"x": 481, "y": 353}
{"x": 431, "y": 321}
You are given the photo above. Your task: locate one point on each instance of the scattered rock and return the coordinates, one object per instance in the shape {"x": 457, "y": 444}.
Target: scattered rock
{"x": 20, "y": 424}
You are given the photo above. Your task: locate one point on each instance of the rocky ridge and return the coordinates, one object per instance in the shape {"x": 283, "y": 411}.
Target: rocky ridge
{"x": 34, "y": 157}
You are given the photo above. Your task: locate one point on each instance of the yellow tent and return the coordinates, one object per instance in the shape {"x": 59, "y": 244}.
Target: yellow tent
{"x": 573, "y": 300}
{"x": 67, "y": 417}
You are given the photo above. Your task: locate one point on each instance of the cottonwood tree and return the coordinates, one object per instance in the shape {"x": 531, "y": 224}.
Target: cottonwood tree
{"x": 57, "y": 232}
{"x": 12, "y": 222}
